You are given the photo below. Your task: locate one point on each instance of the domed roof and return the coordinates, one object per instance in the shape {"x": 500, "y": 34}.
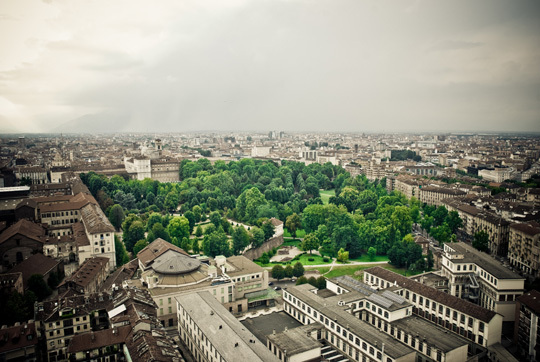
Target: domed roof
{"x": 172, "y": 262}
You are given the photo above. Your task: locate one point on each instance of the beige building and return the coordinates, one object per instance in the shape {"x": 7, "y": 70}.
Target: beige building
{"x": 168, "y": 271}
{"x": 479, "y": 325}
{"x": 433, "y": 195}
{"x": 476, "y": 276}
{"x": 88, "y": 278}
{"x": 211, "y": 333}
{"x": 524, "y": 247}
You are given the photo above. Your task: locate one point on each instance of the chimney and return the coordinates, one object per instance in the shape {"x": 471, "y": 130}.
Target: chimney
{"x": 93, "y": 336}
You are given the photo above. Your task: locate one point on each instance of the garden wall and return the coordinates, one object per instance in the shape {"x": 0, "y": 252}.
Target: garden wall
{"x": 256, "y": 253}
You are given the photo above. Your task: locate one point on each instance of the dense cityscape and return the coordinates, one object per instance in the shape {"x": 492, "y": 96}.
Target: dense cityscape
{"x": 270, "y": 246}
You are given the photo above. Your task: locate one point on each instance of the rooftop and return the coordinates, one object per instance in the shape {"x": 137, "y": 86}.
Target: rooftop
{"x": 228, "y": 336}
{"x": 531, "y": 300}
{"x": 356, "y": 326}
{"x": 173, "y": 262}
{"x": 296, "y": 340}
{"x": 483, "y": 260}
{"x": 456, "y": 303}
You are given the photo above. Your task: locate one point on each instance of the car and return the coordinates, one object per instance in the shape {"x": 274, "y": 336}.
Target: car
{"x": 270, "y": 283}
{"x": 277, "y": 288}
{"x": 293, "y": 279}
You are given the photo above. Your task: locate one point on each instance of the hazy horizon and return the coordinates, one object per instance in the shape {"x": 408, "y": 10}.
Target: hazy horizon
{"x": 290, "y": 65}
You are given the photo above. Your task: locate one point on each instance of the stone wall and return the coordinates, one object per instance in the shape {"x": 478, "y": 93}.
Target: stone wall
{"x": 267, "y": 246}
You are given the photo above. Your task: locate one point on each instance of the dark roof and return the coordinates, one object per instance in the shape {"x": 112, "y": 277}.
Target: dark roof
{"x": 531, "y": 300}
{"x": 159, "y": 246}
{"x": 456, "y": 303}
{"x": 24, "y": 227}
{"x": 99, "y": 339}
{"x": 95, "y": 220}
{"x": 18, "y": 337}
{"x": 88, "y": 271}
{"x": 530, "y": 228}
{"x": 125, "y": 272}
{"x": 35, "y": 264}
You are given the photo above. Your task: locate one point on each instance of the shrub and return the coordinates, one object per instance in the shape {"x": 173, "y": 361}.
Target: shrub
{"x": 311, "y": 259}
{"x": 325, "y": 259}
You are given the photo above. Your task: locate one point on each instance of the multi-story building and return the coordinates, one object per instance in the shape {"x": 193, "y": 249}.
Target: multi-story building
{"x": 100, "y": 234}
{"x": 212, "y": 333}
{"x": 478, "y": 324}
{"x": 151, "y": 164}
{"x": 476, "y": 276}
{"x": 433, "y": 195}
{"x": 88, "y": 278}
{"x": 38, "y": 175}
{"x": 111, "y": 326}
{"x": 19, "y": 342}
{"x": 362, "y": 323}
{"x": 527, "y": 326}
{"x": 168, "y": 271}
{"x": 59, "y": 320}
{"x": 476, "y": 219}
{"x": 20, "y": 241}
{"x": 524, "y": 247}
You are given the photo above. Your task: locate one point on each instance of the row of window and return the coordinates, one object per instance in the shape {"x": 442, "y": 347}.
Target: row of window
{"x": 59, "y": 213}
{"x": 325, "y": 320}
{"x": 425, "y": 302}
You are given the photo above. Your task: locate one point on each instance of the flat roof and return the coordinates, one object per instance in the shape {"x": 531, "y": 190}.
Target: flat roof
{"x": 228, "y": 336}
{"x": 360, "y": 328}
{"x": 264, "y": 325}
{"x": 448, "y": 300}
{"x": 297, "y": 340}
{"x": 483, "y": 260}
{"x": 433, "y": 335}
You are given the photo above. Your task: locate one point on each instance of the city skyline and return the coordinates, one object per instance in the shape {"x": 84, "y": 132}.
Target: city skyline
{"x": 254, "y": 66}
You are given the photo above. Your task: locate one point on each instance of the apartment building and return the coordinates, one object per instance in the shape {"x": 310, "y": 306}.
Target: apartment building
{"x": 476, "y": 276}
{"x": 478, "y": 324}
{"x": 360, "y": 324}
{"x": 527, "y": 326}
{"x": 524, "y": 247}
{"x": 213, "y": 334}
{"x": 59, "y": 320}
{"x": 100, "y": 234}
{"x": 88, "y": 278}
{"x": 433, "y": 195}
{"x": 19, "y": 342}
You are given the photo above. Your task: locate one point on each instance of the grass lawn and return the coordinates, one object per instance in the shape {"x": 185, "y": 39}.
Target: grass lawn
{"x": 317, "y": 259}
{"x": 365, "y": 258}
{"x": 326, "y": 194}
{"x": 300, "y": 233}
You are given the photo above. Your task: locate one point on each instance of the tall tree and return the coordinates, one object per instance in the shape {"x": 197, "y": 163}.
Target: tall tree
{"x": 240, "y": 239}
{"x": 298, "y": 269}
{"x": 278, "y": 272}
{"x": 293, "y": 223}
{"x": 481, "y": 241}
{"x": 257, "y": 237}
{"x": 178, "y": 227}
{"x": 268, "y": 228}
{"x": 139, "y": 245}
{"x": 116, "y": 216}
{"x": 310, "y": 242}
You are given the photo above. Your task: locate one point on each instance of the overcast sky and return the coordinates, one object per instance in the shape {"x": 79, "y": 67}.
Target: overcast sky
{"x": 292, "y": 65}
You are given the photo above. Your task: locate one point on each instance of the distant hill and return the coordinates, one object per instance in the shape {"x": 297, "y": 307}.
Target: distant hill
{"x": 94, "y": 123}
